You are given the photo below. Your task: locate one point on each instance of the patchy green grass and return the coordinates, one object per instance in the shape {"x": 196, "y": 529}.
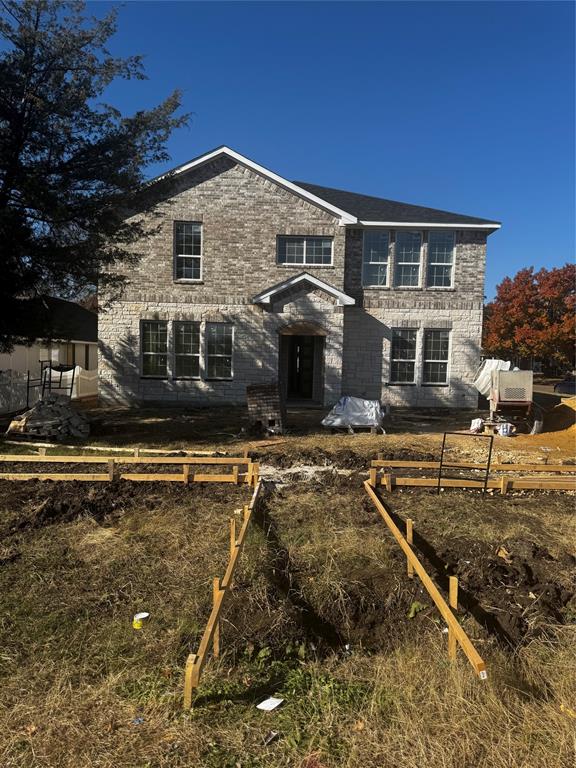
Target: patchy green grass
{"x": 80, "y": 687}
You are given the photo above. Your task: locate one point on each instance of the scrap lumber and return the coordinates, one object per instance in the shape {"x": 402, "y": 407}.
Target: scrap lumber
{"x": 458, "y": 634}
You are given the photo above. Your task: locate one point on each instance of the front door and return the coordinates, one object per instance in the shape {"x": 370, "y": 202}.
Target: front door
{"x": 300, "y": 367}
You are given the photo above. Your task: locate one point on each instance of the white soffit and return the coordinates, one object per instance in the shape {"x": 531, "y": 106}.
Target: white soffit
{"x": 265, "y": 297}
{"x": 427, "y": 225}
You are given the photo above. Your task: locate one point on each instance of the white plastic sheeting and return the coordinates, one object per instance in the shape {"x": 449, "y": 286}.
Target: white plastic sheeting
{"x": 355, "y": 412}
{"x": 483, "y": 378}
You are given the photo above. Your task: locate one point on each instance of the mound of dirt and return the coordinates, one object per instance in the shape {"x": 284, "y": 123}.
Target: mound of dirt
{"x": 514, "y": 591}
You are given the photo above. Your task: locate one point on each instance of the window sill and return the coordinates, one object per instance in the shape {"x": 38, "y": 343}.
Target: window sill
{"x": 443, "y": 288}
{"x": 187, "y": 378}
{"x": 400, "y": 383}
{"x": 215, "y": 378}
{"x": 305, "y": 266}
{"x": 188, "y": 281}
{"x": 441, "y": 386}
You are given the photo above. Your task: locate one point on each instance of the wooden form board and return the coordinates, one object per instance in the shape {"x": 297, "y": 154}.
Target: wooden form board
{"x": 455, "y": 630}
{"x": 196, "y": 661}
{"x": 504, "y": 483}
{"x": 112, "y": 462}
{"x": 393, "y": 464}
{"x": 226, "y": 460}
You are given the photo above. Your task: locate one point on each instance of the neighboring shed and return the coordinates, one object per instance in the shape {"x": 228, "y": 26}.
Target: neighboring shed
{"x": 64, "y": 333}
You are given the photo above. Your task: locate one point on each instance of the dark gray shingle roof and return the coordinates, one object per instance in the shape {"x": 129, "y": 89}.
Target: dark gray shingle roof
{"x": 368, "y": 208}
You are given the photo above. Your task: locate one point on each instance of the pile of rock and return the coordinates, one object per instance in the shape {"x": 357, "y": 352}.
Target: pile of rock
{"x": 51, "y": 417}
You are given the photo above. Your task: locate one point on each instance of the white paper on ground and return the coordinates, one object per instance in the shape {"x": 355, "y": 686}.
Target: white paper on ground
{"x": 269, "y": 704}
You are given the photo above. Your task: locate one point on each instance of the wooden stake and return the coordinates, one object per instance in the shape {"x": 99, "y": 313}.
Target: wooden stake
{"x": 188, "y": 680}
{"x": 42, "y": 451}
{"x": 453, "y": 599}
{"x": 235, "y": 473}
{"x": 373, "y": 477}
{"x": 256, "y": 473}
{"x": 249, "y": 475}
{"x": 216, "y": 635}
{"x": 387, "y": 481}
{"x": 409, "y": 534}
{"x": 232, "y": 535}
{"x": 246, "y": 512}
{"x": 111, "y": 469}
{"x": 136, "y": 452}
{"x": 504, "y": 483}
{"x": 186, "y": 474}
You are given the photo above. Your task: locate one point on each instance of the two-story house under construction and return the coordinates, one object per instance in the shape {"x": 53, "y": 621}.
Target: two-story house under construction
{"x": 250, "y": 278}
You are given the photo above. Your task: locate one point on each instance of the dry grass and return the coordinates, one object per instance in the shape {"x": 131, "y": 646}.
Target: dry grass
{"x": 75, "y": 675}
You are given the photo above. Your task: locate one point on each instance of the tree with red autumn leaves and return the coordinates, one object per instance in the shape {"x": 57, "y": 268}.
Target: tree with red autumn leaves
{"x": 533, "y": 316}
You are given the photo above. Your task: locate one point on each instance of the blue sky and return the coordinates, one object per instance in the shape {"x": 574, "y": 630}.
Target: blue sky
{"x": 464, "y": 106}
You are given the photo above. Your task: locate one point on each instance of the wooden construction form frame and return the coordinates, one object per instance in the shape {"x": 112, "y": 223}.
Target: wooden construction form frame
{"x": 196, "y": 661}
{"x": 456, "y": 635}
{"x": 563, "y": 480}
{"x": 250, "y": 475}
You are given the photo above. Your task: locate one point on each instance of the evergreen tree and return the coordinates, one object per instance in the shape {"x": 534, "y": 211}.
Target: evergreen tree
{"x": 71, "y": 165}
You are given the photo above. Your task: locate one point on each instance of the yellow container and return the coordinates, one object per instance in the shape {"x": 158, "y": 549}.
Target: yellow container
{"x": 139, "y": 619}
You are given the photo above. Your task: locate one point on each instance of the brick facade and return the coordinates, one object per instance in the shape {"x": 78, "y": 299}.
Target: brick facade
{"x": 242, "y": 213}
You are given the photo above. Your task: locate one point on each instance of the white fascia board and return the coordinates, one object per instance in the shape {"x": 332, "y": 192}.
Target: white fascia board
{"x": 345, "y": 217}
{"x": 427, "y": 225}
{"x": 342, "y": 298}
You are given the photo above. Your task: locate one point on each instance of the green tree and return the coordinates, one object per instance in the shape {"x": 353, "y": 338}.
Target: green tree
{"x": 71, "y": 165}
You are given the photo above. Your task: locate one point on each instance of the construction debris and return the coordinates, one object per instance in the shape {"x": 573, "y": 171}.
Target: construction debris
{"x": 51, "y": 417}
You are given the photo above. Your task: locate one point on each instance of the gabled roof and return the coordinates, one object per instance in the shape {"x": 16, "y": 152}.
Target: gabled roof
{"x": 350, "y": 207}
{"x": 345, "y": 218}
{"x": 266, "y": 297}
{"x": 376, "y": 210}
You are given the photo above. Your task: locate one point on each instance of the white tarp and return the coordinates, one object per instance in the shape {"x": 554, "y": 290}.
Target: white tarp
{"x": 355, "y": 412}
{"x": 484, "y": 375}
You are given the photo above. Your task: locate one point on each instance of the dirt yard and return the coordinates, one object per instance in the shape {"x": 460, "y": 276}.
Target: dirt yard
{"x": 322, "y": 614}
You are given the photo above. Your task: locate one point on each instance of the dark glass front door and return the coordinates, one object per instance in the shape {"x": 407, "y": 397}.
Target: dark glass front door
{"x": 300, "y": 367}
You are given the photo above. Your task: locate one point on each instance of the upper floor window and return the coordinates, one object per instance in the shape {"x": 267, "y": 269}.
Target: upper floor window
{"x": 375, "y": 259}
{"x": 304, "y": 250}
{"x": 154, "y": 348}
{"x": 187, "y": 250}
{"x": 436, "y": 344}
{"x": 186, "y": 350}
{"x": 407, "y": 259}
{"x": 219, "y": 350}
{"x": 440, "y": 258}
{"x": 403, "y": 356}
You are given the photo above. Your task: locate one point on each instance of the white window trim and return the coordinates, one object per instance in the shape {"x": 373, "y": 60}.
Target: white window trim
{"x": 206, "y": 355}
{"x": 440, "y": 264}
{"x": 404, "y": 359}
{"x": 175, "y": 355}
{"x": 149, "y": 354}
{"x": 398, "y": 263}
{"x": 176, "y": 256}
{"x": 305, "y": 238}
{"x": 431, "y": 360}
{"x": 387, "y": 262}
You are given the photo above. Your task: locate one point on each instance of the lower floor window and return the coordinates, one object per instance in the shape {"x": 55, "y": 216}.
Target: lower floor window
{"x": 219, "y": 350}
{"x": 403, "y": 356}
{"x": 436, "y": 344}
{"x": 179, "y": 349}
{"x": 186, "y": 350}
{"x": 154, "y": 348}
